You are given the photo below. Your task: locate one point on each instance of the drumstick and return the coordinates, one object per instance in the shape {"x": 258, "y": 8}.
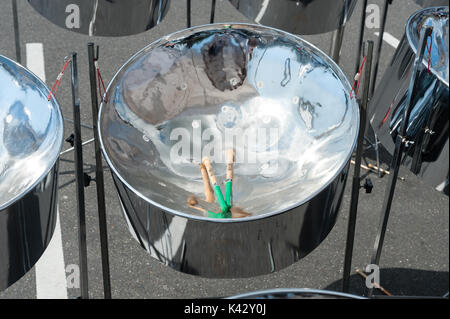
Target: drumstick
{"x": 209, "y": 193}
{"x": 193, "y": 202}
{"x": 229, "y": 181}
{"x": 212, "y": 178}
{"x": 375, "y": 284}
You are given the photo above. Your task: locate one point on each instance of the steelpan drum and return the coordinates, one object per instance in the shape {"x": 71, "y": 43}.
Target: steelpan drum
{"x": 432, "y": 3}
{"x": 103, "y": 17}
{"x": 298, "y": 16}
{"x": 279, "y": 102}
{"x": 31, "y": 136}
{"x": 301, "y": 293}
{"x": 428, "y": 147}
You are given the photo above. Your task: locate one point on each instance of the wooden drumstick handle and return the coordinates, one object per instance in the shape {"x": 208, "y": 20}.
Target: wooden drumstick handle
{"x": 209, "y": 192}
{"x": 207, "y": 163}
{"x": 230, "y": 158}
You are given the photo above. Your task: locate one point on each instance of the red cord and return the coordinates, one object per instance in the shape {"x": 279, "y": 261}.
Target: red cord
{"x": 58, "y": 80}
{"x": 357, "y": 77}
{"x": 101, "y": 84}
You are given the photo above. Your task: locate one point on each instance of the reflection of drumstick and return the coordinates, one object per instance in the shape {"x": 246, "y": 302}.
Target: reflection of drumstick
{"x": 209, "y": 193}
{"x": 193, "y": 202}
{"x": 375, "y": 284}
{"x": 229, "y": 182}
{"x": 212, "y": 178}
{"x": 237, "y": 212}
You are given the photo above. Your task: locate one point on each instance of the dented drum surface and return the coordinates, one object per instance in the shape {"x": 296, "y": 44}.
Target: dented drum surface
{"x": 31, "y": 135}
{"x": 181, "y": 98}
{"x": 427, "y": 132}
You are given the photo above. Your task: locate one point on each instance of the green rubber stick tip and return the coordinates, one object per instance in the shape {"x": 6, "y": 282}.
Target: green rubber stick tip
{"x": 227, "y": 214}
{"x": 223, "y": 205}
{"x": 228, "y": 193}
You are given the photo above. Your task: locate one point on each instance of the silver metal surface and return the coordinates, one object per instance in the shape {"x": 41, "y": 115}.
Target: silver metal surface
{"x": 214, "y": 82}
{"x": 298, "y": 16}
{"x": 432, "y": 3}
{"x": 31, "y": 135}
{"x": 427, "y": 133}
{"x": 103, "y": 17}
{"x": 292, "y": 293}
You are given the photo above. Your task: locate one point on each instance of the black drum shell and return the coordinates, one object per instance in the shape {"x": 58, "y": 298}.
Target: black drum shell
{"x": 429, "y": 115}
{"x": 26, "y": 228}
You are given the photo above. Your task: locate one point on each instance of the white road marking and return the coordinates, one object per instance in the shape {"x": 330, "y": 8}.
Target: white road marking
{"x": 35, "y": 59}
{"x": 390, "y": 39}
{"x": 50, "y": 270}
{"x": 262, "y": 11}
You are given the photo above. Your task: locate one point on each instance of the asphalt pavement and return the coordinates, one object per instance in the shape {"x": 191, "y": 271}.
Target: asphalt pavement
{"x": 415, "y": 258}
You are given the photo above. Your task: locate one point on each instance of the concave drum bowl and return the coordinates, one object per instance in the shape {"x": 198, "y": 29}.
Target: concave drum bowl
{"x": 31, "y": 136}
{"x": 279, "y": 102}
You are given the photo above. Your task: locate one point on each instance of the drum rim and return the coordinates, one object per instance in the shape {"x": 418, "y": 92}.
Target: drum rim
{"x": 216, "y": 26}
{"x": 55, "y": 157}
{"x": 409, "y": 36}
{"x": 296, "y": 290}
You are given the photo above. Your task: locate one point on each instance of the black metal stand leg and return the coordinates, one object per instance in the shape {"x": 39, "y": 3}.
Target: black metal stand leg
{"x": 380, "y": 45}
{"x": 361, "y": 35}
{"x": 399, "y": 149}
{"x": 16, "y": 31}
{"x": 213, "y": 11}
{"x": 356, "y": 176}
{"x": 188, "y": 12}
{"x": 79, "y": 181}
{"x": 336, "y": 44}
{"x": 99, "y": 176}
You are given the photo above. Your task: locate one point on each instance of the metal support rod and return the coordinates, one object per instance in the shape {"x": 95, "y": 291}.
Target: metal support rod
{"x": 361, "y": 35}
{"x": 188, "y": 12}
{"x": 16, "y": 31}
{"x": 336, "y": 44}
{"x": 379, "y": 46}
{"x": 356, "y": 176}
{"x": 213, "y": 11}
{"x": 399, "y": 149}
{"x": 78, "y": 154}
{"x": 82, "y": 124}
{"x": 99, "y": 176}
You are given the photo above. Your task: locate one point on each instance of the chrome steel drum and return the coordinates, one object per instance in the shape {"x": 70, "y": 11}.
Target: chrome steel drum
{"x": 31, "y": 135}
{"x": 296, "y": 294}
{"x": 432, "y": 3}
{"x": 428, "y": 147}
{"x": 298, "y": 16}
{"x": 103, "y": 17}
{"x": 279, "y": 102}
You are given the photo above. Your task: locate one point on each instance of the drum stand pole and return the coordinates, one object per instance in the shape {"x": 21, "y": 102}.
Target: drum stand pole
{"x": 79, "y": 181}
{"x": 188, "y": 12}
{"x": 99, "y": 181}
{"x": 16, "y": 31}
{"x": 379, "y": 46}
{"x": 356, "y": 185}
{"x": 399, "y": 149}
{"x": 336, "y": 44}
{"x": 213, "y": 11}
{"x": 361, "y": 35}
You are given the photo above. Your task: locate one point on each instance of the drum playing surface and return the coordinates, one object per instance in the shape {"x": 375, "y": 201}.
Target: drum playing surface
{"x": 31, "y": 131}
{"x": 280, "y": 103}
